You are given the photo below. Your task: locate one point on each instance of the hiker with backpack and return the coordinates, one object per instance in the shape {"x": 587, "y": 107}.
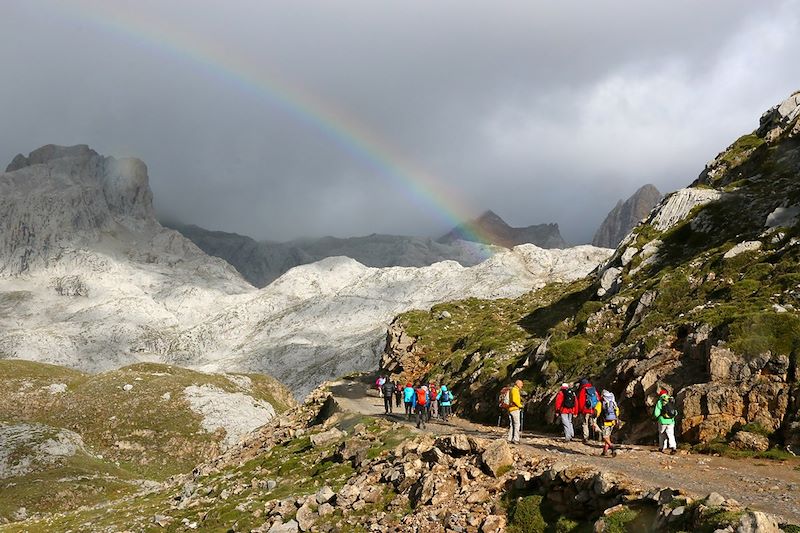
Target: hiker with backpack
{"x": 388, "y": 392}
{"x": 511, "y": 401}
{"x": 588, "y": 401}
{"x": 445, "y": 400}
{"x": 566, "y": 408}
{"x": 433, "y": 409}
{"x": 398, "y": 394}
{"x": 609, "y": 413}
{"x": 421, "y": 405}
{"x": 665, "y": 413}
{"x": 408, "y": 399}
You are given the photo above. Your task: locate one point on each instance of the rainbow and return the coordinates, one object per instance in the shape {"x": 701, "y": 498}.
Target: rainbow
{"x": 420, "y": 186}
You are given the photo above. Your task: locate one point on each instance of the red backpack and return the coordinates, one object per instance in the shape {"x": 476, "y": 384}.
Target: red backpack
{"x": 421, "y": 397}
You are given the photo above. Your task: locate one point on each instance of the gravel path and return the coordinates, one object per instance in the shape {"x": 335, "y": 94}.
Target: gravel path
{"x": 769, "y": 486}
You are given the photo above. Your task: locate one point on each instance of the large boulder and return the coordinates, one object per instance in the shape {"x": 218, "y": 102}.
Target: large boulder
{"x": 497, "y": 458}
{"x": 745, "y": 440}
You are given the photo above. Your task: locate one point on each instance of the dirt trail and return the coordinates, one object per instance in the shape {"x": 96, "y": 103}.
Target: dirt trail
{"x": 769, "y": 486}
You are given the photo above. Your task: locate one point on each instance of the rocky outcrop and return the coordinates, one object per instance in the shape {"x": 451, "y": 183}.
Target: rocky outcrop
{"x": 489, "y": 228}
{"x": 625, "y": 216}
{"x": 261, "y": 263}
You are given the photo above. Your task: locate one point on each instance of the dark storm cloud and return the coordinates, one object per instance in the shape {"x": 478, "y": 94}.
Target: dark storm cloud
{"x": 543, "y": 111}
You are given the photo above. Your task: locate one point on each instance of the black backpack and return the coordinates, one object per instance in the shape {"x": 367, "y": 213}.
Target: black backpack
{"x": 669, "y": 410}
{"x": 569, "y": 399}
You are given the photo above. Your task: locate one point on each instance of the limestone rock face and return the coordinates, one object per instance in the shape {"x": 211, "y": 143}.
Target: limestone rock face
{"x": 261, "y": 263}
{"x": 90, "y": 279}
{"x": 625, "y": 216}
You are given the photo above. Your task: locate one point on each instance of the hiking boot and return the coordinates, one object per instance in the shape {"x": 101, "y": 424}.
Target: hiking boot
{"x": 673, "y": 451}
{"x": 613, "y": 453}
{"x": 665, "y": 451}
{"x": 605, "y": 453}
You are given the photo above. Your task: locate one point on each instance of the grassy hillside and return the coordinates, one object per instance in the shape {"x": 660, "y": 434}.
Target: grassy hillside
{"x": 147, "y": 433}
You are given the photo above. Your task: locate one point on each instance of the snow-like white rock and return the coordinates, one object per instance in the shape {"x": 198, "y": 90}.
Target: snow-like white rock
{"x": 237, "y": 413}
{"x": 89, "y": 279}
{"x": 782, "y": 217}
{"x": 742, "y": 247}
{"x": 676, "y": 206}
{"x": 26, "y": 447}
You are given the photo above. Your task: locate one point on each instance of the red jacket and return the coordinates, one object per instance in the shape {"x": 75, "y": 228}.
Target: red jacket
{"x": 565, "y": 410}
{"x": 582, "y": 400}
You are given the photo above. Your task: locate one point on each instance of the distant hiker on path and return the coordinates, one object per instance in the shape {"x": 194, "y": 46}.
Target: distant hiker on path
{"x": 388, "y": 393}
{"x": 587, "y": 405}
{"x": 379, "y": 385}
{"x": 398, "y": 394}
{"x": 408, "y": 399}
{"x": 566, "y": 408}
{"x": 513, "y": 403}
{"x": 445, "y": 401}
{"x": 421, "y": 405}
{"x": 609, "y": 413}
{"x": 665, "y": 412}
{"x": 433, "y": 410}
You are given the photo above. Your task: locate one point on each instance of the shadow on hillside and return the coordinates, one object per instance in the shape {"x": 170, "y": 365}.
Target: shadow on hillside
{"x": 539, "y": 322}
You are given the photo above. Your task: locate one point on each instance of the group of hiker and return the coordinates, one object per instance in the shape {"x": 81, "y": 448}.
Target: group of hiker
{"x": 425, "y": 400}
{"x": 597, "y": 414}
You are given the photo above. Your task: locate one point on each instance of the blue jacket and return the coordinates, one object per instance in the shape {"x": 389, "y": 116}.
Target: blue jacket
{"x": 439, "y": 396}
{"x": 409, "y": 396}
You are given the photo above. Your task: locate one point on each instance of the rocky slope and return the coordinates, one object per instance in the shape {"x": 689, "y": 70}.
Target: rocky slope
{"x": 625, "y": 216}
{"x": 263, "y": 262}
{"x": 89, "y": 279}
{"x": 700, "y": 298}
{"x": 489, "y": 228}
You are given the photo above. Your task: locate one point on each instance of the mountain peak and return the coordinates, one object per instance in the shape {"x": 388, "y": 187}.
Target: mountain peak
{"x": 626, "y": 215}
{"x": 490, "y": 228}
{"x": 50, "y": 152}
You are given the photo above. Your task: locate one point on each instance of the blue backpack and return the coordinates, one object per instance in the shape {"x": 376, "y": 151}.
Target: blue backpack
{"x": 591, "y": 398}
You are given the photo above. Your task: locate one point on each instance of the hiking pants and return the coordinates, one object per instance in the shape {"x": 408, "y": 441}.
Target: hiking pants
{"x": 566, "y": 421}
{"x": 513, "y": 426}
{"x": 408, "y": 410}
{"x": 380, "y": 392}
{"x": 387, "y": 403}
{"x": 588, "y": 422}
{"x": 666, "y": 436}
{"x": 435, "y": 408}
{"x": 421, "y": 414}
{"x": 446, "y": 411}
{"x": 397, "y": 399}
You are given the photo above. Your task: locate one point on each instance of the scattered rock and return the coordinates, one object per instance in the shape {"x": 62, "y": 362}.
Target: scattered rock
{"x": 324, "y": 495}
{"x": 497, "y": 457}
{"x": 745, "y": 440}
{"x": 493, "y": 524}
{"x": 289, "y": 527}
{"x": 127, "y": 387}
{"x": 305, "y": 517}
{"x": 742, "y": 247}
{"x": 326, "y": 437}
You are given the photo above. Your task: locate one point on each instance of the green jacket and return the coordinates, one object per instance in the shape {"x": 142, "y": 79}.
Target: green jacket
{"x": 659, "y": 407}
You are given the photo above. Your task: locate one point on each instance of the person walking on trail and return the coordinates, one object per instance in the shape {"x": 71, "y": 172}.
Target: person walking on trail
{"x": 566, "y": 408}
{"x": 609, "y": 413}
{"x": 388, "y": 396}
{"x": 433, "y": 411}
{"x": 398, "y": 394}
{"x": 665, "y": 413}
{"x": 588, "y": 401}
{"x": 445, "y": 400}
{"x": 408, "y": 399}
{"x": 421, "y": 405}
{"x": 514, "y": 412}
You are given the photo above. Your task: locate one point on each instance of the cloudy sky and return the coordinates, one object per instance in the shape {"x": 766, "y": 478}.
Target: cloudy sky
{"x": 283, "y": 119}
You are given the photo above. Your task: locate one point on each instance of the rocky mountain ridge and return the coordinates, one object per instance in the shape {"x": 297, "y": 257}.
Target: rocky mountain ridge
{"x": 625, "y": 216}
{"x": 89, "y": 279}
{"x": 261, "y": 263}
{"x": 489, "y": 228}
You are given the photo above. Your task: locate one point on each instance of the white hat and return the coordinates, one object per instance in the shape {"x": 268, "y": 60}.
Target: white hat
{"x": 565, "y": 385}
